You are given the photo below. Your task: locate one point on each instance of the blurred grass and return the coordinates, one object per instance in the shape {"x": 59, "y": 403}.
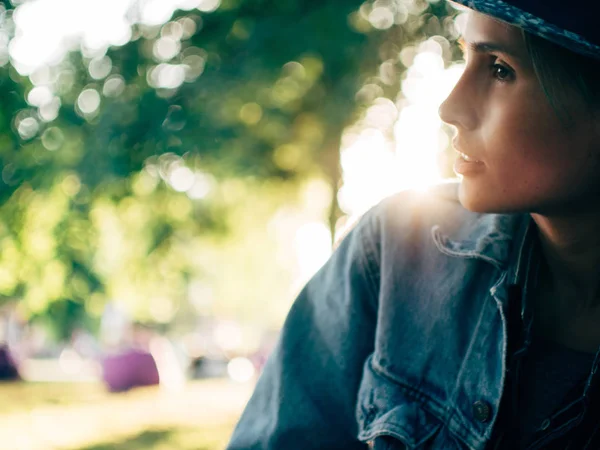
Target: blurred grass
{"x": 21, "y": 396}
{"x": 43, "y": 416}
{"x": 171, "y": 439}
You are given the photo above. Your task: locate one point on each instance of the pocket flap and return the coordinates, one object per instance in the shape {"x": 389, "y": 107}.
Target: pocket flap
{"x": 384, "y": 408}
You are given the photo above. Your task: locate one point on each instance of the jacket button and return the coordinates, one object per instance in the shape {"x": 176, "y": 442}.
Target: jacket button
{"x": 545, "y": 425}
{"x": 482, "y": 411}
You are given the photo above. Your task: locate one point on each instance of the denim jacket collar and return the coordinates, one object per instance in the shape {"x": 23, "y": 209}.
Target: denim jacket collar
{"x": 488, "y": 238}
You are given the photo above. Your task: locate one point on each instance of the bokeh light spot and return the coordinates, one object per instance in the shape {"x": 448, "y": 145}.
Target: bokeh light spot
{"x": 173, "y": 30}
{"x": 194, "y": 66}
{"x": 202, "y": 186}
{"x": 88, "y": 101}
{"x": 251, "y": 113}
{"x": 381, "y": 18}
{"x": 189, "y": 27}
{"x": 71, "y": 185}
{"x": 167, "y": 76}
{"x": 209, "y": 5}
{"x": 181, "y": 178}
{"x": 288, "y": 156}
{"x": 166, "y": 48}
{"x": 28, "y": 128}
{"x": 53, "y": 138}
{"x": 99, "y": 68}
{"x": 113, "y": 86}
{"x": 240, "y": 369}
{"x": 40, "y": 96}
{"x": 49, "y": 111}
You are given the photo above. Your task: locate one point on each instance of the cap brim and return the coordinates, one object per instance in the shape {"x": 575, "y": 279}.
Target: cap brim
{"x": 532, "y": 24}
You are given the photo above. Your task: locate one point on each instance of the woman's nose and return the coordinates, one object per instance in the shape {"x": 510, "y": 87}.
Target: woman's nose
{"x": 445, "y": 112}
{"x": 458, "y": 108}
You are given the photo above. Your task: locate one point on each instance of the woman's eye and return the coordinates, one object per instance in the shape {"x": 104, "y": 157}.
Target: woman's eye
{"x": 501, "y": 72}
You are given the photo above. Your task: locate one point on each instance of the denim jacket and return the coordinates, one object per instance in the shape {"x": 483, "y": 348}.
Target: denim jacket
{"x": 400, "y": 340}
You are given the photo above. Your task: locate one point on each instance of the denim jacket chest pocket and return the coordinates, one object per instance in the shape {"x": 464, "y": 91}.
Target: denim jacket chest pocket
{"x": 392, "y": 416}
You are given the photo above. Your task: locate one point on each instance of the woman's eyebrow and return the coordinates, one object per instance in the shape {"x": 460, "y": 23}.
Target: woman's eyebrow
{"x": 487, "y": 47}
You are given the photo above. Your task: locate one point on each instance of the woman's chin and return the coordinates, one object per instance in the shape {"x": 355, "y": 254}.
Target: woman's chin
{"x": 486, "y": 199}
{"x": 479, "y": 199}
{"x": 471, "y": 198}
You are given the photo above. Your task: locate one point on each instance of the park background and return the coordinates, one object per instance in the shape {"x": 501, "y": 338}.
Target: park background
{"x": 172, "y": 173}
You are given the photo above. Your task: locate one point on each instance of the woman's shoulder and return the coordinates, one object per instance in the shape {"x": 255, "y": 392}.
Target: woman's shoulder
{"x": 423, "y": 201}
{"x": 435, "y": 219}
{"x": 420, "y": 209}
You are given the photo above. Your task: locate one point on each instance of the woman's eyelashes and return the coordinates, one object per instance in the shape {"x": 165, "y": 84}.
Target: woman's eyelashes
{"x": 501, "y": 71}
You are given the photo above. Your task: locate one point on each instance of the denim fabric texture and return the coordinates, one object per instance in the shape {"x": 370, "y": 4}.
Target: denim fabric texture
{"x": 400, "y": 340}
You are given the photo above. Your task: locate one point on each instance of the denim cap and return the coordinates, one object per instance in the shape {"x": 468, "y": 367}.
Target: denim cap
{"x": 571, "y": 24}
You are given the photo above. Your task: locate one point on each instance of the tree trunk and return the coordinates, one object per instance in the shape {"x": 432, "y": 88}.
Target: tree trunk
{"x": 333, "y": 172}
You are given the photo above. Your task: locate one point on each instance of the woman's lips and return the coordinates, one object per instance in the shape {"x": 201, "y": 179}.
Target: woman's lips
{"x": 466, "y": 165}
{"x": 467, "y": 157}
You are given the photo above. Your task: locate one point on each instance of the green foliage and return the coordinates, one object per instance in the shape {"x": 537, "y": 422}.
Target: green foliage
{"x": 257, "y": 90}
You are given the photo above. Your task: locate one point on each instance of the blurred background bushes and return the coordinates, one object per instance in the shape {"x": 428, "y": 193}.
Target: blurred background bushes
{"x": 130, "y": 172}
{"x": 178, "y": 169}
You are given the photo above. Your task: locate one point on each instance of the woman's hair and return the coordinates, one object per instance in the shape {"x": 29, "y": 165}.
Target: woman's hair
{"x": 563, "y": 73}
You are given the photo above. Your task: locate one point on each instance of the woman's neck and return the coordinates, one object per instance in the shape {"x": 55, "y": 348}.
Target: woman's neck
{"x": 571, "y": 250}
{"x": 566, "y": 300}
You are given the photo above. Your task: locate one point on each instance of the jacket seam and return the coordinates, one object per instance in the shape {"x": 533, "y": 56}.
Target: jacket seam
{"x": 438, "y": 241}
{"x": 424, "y": 399}
{"x": 370, "y": 264}
{"x": 443, "y": 414}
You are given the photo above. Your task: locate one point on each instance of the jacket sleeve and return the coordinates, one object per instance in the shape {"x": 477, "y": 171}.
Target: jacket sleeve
{"x": 306, "y": 396}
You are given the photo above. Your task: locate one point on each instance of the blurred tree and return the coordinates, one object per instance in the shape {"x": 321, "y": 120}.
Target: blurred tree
{"x": 105, "y": 179}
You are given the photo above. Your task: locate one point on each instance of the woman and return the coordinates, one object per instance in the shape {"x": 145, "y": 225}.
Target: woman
{"x": 465, "y": 318}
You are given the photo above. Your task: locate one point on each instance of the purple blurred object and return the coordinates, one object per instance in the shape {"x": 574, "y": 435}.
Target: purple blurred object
{"x": 129, "y": 369}
{"x": 8, "y": 368}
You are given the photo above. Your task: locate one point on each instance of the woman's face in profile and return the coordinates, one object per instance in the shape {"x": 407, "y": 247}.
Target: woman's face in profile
{"x": 521, "y": 157}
